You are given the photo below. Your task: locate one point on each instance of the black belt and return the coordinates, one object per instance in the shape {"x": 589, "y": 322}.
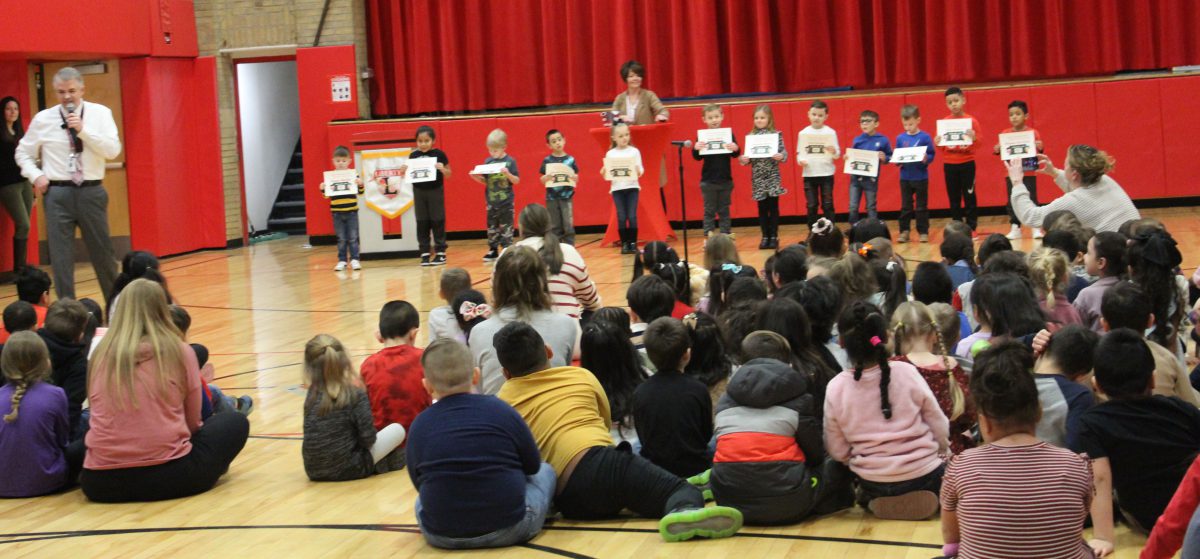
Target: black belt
{"x": 72, "y": 183}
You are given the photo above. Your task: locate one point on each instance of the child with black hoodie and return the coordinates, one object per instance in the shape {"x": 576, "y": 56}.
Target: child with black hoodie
{"x": 63, "y": 335}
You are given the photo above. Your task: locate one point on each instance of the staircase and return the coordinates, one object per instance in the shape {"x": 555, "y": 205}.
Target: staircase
{"x": 287, "y": 214}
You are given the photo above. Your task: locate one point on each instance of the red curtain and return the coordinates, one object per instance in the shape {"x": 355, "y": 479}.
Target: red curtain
{"x": 453, "y": 55}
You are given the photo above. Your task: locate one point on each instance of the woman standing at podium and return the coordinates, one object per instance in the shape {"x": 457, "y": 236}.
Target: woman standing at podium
{"x": 636, "y": 105}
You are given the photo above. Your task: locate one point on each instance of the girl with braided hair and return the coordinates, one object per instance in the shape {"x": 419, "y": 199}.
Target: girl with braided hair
{"x": 34, "y": 455}
{"x": 917, "y": 340}
{"x": 1153, "y": 258}
{"x": 895, "y": 449}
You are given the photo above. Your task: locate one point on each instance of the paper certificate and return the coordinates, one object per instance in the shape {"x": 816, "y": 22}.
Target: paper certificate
{"x": 759, "y": 146}
{"x": 341, "y": 182}
{"x": 953, "y": 131}
{"x": 813, "y": 146}
{"x": 713, "y": 140}
{"x": 620, "y": 169}
{"x": 862, "y": 162}
{"x": 560, "y": 175}
{"x": 1018, "y": 145}
{"x": 421, "y": 169}
{"x": 915, "y": 154}
{"x": 488, "y": 169}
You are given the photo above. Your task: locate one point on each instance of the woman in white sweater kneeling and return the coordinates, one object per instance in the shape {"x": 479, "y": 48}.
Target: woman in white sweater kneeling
{"x": 1094, "y": 197}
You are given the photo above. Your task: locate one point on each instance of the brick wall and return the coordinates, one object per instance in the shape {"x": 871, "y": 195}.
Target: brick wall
{"x": 234, "y": 24}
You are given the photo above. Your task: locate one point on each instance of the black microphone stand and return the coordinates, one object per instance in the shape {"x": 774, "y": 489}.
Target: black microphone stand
{"x": 683, "y": 209}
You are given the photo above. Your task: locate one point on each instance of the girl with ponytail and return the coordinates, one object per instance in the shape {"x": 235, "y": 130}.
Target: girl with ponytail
{"x": 917, "y": 340}
{"x": 34, "y": 429}
{"x": 570, "y": 286}
{"x": 340, "y": 441}
{"x": 895, "y": 448}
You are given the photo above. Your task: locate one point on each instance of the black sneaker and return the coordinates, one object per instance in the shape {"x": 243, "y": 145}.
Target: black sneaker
{"x": 425, "y": 259}
{"x": 764, "y": 243}
{"x": 439, "y": 260}
{"x": 491, "y": 255}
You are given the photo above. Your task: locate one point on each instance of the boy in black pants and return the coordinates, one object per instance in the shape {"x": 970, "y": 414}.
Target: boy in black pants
{"x": 958, "y": 162}
{"x": 716, "y": 180}
{"x": 673, "y": 412}
{"x": 429, "y": 201}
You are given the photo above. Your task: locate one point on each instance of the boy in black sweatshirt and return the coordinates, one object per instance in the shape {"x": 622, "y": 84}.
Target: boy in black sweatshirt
{"x": 716, "y": 179}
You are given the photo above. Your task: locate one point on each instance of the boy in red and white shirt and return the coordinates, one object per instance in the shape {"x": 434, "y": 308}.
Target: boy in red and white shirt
{"x": 1018, "y": 116}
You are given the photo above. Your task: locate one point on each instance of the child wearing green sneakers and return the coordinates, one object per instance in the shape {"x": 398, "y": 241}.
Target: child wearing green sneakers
{"x": 568, "y": 413}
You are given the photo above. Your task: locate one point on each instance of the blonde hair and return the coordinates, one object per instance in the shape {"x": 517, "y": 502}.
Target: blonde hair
{"x": 766, "y": 109}
{"x": 519, "y": 281}
{"x": 913, "y": 320}
{"x": 497, "y": 139}
{"x": 1089, "y": 162}
{"x": 720, "y": 250}
{"x": 712, "y": 107}
{"x": 1050, "y": 269}
{"x": 328, "y": 372}
{"x": 25, "y": 362}
{"x": 612, "y": 134}
{"x": 142, "y": 317}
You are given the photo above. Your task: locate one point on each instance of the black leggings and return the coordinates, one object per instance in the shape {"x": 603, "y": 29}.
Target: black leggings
{"x": 214, "y": 447}
{"x": 607, "y": 480}
{"x": 768, "y": 216}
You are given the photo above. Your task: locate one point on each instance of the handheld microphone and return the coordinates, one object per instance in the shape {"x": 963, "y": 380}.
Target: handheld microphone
{"x": 682, "y": 143}
{"x": 70, "y": 107}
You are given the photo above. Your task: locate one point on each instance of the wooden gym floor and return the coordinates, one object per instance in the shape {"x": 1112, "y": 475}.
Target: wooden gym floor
{"x": 256, "y": 307}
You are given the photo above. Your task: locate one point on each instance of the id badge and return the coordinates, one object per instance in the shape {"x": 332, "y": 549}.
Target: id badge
{"x": 73, "y": 163}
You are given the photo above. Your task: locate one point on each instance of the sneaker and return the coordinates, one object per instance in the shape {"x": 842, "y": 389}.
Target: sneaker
{"x": 628, "y": 248}
{"x": 1014, "y": 233}
{"x": 703, "y": 482}
{"x": 245, "y": 405}
{"x": 439, "y": 260}
{"x": 916, "y": 505}
{"x": 340, "y": 267}
{"x": 764, "y": 243}
{"x": 1038, "y": 233}
{"x": 903, "y": 237}
{"x": 424, "y": 258}
{"x": 491, "y": 255}
{"x": 355, "y": 265}
{"x": 710, "y": 522}
{"x": 924, "y": 237}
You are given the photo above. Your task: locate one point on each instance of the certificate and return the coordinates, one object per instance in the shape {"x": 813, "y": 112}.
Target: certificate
{"x": 488, "y": 169}
{"x": 1018, "y": 145}
{"x": 915, "y": 154}
{"x": 421, "y": 169}
{"x": 759, "y": 146}
{"x": 813, "y": 146}
{"x": 560, "y": 175}
{"x": 713, "y": 140}
{"x": 953, "y": 131}
{"x": 862, "y": 162}
{"x": 620, "y": 169}
{"x": 341, "y": 182}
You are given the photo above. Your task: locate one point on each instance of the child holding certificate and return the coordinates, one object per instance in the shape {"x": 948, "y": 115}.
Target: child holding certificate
{"x": 716, "y": 179}
{"x": 345, "y": 213}
{"x": 560, "y": 169}
{"x": 430, "y": 200}
{"x": 499, "y": 185}
{"x": 765, "y": 184}
{"x": 869, "y": 140}
{"x": 959, "y": 164}
{"x": 624, "y": 184}
{"x": 914, "y": 177}
{"x": 818, "y": 165}
{"x": 1018, "y": 115}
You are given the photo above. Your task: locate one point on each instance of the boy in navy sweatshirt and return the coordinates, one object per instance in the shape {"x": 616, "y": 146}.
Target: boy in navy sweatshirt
{"x": 859, "y": 185}
{"x": 914, "y": 177}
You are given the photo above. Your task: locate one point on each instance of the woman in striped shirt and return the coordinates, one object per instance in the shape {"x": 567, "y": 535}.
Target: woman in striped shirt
{"x": 1088, "y": 192}
{"x": 571, "y": 288}
{"x": 1016, "y": 496}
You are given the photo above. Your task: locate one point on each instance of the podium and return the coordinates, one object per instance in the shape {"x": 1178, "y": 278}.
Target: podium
{"x": 651, "y": 140}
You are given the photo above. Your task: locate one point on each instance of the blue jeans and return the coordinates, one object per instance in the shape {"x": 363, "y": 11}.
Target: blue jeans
{"x": 859, "y": 186}
{"x": 931, "y": 481}
{"x": 539, "y": 492}
{"x": 627, "y": 202}
{"x": 345, "y": 224}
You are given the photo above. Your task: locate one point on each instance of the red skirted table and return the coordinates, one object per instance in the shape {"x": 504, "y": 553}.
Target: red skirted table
{"x": 651, "y": 140}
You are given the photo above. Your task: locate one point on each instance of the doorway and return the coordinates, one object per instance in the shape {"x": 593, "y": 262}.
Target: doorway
{"x": 268, "y": 113}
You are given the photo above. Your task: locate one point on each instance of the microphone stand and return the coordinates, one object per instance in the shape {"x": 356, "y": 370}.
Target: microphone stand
{"x": 683, "y": 209}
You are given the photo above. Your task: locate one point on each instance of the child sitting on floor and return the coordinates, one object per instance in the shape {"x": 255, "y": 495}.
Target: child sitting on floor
{"x": 442, "y": 323}
{"x": 470, "y": 308}
{"x": 393, "y": 375}
{"x": 918, "y": 342}
{"x": 1059, "y": 375}
{"x": 672, "y": 411}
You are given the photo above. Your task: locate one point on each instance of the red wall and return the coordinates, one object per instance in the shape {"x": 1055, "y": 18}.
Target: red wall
{"x": 1136, "y": 121}
{"x": 99, "y": 28}
{"x": 172, "y": 154}
{"x": 314, "y": 67}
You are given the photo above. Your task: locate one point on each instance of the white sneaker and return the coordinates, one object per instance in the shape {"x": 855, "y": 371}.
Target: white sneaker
{"x": 1014, "y": 233}
{"x": 340, "y": 266}
{"x": 1038, "y": 233}
{"x": 354, "y": 265}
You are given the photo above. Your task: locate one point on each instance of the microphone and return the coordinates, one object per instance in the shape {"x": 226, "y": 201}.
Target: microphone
{"x": 70, "y": 107}
{"x": 682, "y": 143}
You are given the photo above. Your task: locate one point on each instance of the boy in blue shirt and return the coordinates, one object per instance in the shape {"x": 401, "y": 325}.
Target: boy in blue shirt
{"x": 914, "y": 177}
{"x": 479, "y": 477}
{"x": 860, "y": 185}
{"x": 558, "y": 198}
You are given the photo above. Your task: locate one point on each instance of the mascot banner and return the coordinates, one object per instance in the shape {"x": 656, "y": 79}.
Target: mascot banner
{"x": 386, "y": 191}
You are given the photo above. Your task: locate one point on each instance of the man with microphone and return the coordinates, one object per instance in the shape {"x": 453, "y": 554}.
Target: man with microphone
{"x": 73, "y": 140}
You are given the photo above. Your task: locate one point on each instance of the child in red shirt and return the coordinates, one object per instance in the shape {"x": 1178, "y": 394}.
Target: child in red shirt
{"x": 1018, "y": 115}
{"x": 958, "y": 162}
{"x": 393, "y": 375}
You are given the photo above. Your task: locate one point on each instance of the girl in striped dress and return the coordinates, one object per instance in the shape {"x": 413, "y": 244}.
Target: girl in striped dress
{"x": 765, "y": 184}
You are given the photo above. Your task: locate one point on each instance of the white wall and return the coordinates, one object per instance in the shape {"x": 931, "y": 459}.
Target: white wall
{"x": 269, "y": 107}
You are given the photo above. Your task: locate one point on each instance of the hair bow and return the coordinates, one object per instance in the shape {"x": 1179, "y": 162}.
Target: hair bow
{"x": 875, "y": 341}
{"x": 865, "y": 250}
{"x": 891, "y": 266}
{"x": 471, "y": 311}
{"x": 1159, "y": 248}
{"x": 731, "y": 267}
{"x": 822, "y": 226}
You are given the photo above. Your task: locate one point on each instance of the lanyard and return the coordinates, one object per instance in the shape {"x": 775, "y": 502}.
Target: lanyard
{"x": 76, "y": 142}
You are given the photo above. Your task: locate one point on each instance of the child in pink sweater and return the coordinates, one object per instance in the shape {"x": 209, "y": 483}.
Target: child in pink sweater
{"x": 894, "y": 450}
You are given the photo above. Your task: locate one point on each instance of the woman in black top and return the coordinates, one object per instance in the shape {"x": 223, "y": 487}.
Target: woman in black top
{"x": 16, "y": 194}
